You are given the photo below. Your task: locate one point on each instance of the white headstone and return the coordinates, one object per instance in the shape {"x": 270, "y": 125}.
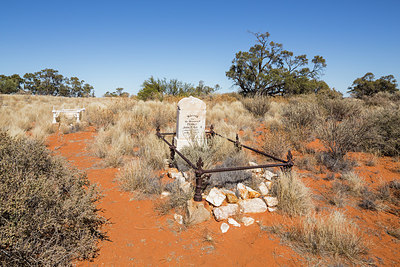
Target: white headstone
{"x": 191, "y": 122}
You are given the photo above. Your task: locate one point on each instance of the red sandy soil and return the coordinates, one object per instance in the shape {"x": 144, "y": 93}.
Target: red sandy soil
{"x": 141, "y": 237}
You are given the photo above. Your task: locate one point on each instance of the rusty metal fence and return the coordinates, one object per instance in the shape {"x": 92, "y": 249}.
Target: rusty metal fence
{"x": 201, "y": 173}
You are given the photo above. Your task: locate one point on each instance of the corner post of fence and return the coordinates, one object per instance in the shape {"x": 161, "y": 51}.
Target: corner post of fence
{"x": 172, "y": 153}
{"x": 199, "y": 181}
{"x": 158, "y": 132}
{"x": 290, "y": 163}
{"x": 237, "y": 143}
{"x": 212, "y": 130}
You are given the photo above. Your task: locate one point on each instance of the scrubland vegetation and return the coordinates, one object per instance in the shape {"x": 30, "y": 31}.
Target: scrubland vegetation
{"x": 126, "y": 139}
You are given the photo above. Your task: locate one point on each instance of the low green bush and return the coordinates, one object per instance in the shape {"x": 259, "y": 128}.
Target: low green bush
{"x": 48, "y": 213}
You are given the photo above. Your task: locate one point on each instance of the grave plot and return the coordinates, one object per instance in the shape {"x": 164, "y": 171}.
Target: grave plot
{"x": 226, "y": 203}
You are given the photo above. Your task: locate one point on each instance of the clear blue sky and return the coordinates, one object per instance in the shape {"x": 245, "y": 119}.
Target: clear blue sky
{"x": 112, "y": 44}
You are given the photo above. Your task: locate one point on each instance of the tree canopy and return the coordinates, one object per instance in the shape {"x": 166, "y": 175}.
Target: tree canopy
{"x": 368, "y": 86}
{"x": 268, "y": 69}
{"x": 45, "y": 82}
{"x": 10, "y": 84}
{"x": 156, "y": 88}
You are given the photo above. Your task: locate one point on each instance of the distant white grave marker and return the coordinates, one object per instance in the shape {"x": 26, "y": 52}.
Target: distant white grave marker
{"x": 69, "y": 113}
{"x": 191, "y": 122}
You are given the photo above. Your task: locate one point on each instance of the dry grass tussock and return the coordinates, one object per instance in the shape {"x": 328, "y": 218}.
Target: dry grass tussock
{"x": 355, "y": 183}
{"x": 139, "y": 177}
{"x": 331, "y": 235}
{"x": 233, "y": 114}
{"x": 293, "y": 196}
{"x": 177, "y": 200}
{"x": 133, "y": 127}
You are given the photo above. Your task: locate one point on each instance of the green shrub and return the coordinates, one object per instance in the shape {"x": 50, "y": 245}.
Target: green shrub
{"x": 339, "y": 138}
{"x": 384, "y": 134}
{"x": 48, "y": 214}
{"x": 342, "y": 108}
{"x": 276, "y": 142}
{"x": 258, "y": 105}
{"x": 230, "y": 179}
{"x": 300, "y": 118}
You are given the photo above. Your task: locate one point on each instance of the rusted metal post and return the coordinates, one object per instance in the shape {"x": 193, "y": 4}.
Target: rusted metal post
{"x": 172, "y": 153}
{"x": 199, "y": 181}
{"x": 158, "y": 134}
{"x": 212, "y": 130}
{"x": 237, "y": 143}
{"x": 290, "y": 163}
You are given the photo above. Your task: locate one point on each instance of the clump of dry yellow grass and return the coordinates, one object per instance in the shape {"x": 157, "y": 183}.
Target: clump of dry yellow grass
{"x": 331, "y": 235}
{"x": 293, "y": 196}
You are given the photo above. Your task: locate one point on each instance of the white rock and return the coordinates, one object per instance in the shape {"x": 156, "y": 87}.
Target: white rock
{"x": 247, "y": 221}
{"x": 230, "y": 196}
{"x": 242, "y": 191}
{"x": 178, "y": 218}
{"x": 268, "y": 175}
{"x": 263, "y": 189}
{"x": 271, "y": 201}
{"x": 224, "y": 212}
{"x": 252, "y": 193}
{"x": 196, "y": 212}
{"x": 271, "y": 209}
{"x": 179, "y": 177}
{"x": 224, "y": 227}
{"x": 258, "y": 170}
{"x": 185, "y": 186}
{"x": 216, "y": 197}
{"x": 165, "y": 194}
{"x": 233, "y": 222}
{"x": 166, "y": 164}
{"x": 255, "y": 205}
{"x": 268, "y": 184}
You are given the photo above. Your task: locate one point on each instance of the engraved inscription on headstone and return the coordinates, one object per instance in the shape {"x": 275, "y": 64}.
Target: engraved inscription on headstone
{"x": 191, "y": 122}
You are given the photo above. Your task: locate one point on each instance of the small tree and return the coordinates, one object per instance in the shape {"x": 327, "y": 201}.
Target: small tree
{"x": 267, "y": 69}
{"x": 368, "y": 86}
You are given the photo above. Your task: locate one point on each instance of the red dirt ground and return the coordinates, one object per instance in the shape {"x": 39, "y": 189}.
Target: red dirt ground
{"x": 141, "y": 237}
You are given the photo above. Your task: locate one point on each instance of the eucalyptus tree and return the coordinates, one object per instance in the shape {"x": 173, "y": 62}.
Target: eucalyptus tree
{"x": 268, "y": 69}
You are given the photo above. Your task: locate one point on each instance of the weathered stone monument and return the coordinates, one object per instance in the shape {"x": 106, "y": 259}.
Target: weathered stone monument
{"x": 191, "y": 122}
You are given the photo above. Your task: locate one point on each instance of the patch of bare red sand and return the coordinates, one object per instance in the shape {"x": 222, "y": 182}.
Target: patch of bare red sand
{"x": 141, "y": 237}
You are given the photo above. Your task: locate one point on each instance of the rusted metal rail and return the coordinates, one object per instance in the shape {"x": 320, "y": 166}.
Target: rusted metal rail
{"x": 198, "y": 167}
